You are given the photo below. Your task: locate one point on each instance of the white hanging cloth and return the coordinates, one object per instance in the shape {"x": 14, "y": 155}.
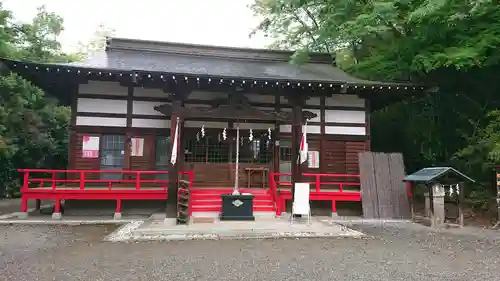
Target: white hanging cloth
{"x": 173, "y": 158}
{"x": 304, "y": 146}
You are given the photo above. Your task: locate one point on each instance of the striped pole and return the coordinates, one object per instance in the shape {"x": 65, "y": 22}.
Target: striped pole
{"x": 498, "y": 200}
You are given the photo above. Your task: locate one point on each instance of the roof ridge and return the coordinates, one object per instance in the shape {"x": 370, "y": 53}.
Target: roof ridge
{"x": 113, "y": 43}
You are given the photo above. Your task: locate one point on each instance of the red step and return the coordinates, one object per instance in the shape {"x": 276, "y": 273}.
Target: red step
{"x": 209, "y": 199}
{"x": 217, "y": 203}
{"x": 227, "y": 191}
{"x": 195, "y": 208}
{"x": 218, "y": 197}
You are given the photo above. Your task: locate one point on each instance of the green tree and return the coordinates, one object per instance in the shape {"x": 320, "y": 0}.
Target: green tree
{"x": 451, "y": 44}
{"x": 33, "y": 127}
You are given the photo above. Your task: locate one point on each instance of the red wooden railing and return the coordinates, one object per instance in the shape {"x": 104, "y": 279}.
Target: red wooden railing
{"x": 273, "y": 189}
{"x": 83, "y": 180}
{"x": 351, "y": 180}
{"x": 348, "y": 180}
{"x": 86, "y": 184}
{"x": 342, "y": 181}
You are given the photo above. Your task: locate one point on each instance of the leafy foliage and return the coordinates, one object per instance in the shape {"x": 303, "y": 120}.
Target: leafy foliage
{"x": 452, "y": 44}
{"x": 33, "y": 127}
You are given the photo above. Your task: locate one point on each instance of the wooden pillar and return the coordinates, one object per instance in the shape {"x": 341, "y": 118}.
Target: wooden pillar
{"x": 297, "y": 121}
{"x": 323, "y": 136}
{"x": 173, "y": 172}
{"x": 461, "y": 199}
{"x": 127, "y": 154}
{"x": 411, "y": 194}
{"x": 275, "y": 137}
{"x": 367, "y": 125}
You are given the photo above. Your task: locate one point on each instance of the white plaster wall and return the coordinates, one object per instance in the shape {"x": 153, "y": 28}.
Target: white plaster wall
{"x": 101, "y": 121}
{"x": 343, "y": 130}
{"x": 345, "y": 116}
{"x": 101, "y": 105}
{"x": 103, "y": 88}
{"x": 311, "y": 129}
{"x": 146, "y": 107}
{"x": 150, "y": 123}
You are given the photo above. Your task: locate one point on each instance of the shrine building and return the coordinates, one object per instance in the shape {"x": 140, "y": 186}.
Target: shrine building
{"x": 127, "y": 102}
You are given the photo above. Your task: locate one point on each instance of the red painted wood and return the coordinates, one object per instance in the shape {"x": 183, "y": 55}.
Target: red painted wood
{"x": 317, "y": 194}
{"x": 209, "y": 199}
{"x": 201, "y": 199}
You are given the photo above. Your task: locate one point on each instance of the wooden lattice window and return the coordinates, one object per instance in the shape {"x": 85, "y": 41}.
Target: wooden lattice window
{"x": 259, "y": 151}
{"x": 212, "y": 149}
{"x": 112, "y": 155}
{"x": 206, "y": 149}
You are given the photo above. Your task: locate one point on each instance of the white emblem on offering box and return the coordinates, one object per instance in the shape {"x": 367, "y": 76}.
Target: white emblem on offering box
{"x": 237, "y": 203}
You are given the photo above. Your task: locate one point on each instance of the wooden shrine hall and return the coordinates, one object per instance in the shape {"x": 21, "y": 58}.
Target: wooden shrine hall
{"x": 150, "y": 119}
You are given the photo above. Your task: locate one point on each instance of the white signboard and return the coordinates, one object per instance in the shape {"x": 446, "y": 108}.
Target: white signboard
{"x": 137, "y": 146}
{"x": 90, "y": 147}
{"x": 301, "y": 199}
{"x": 313, "y": 159}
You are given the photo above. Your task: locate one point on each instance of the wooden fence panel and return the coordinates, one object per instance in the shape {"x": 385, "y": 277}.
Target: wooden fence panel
{"x": 368, "y": 185}
{"x": 399, "y": 189}
{"x": 382, "y": 186}
{"x": 383, "y": 182}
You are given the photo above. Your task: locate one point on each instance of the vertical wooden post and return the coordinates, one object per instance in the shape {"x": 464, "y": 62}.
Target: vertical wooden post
{"x": 275, "y": 138}
{"x": 296, "y": 136}
{"x": 173, "y": 172}
{"x": 322, "y": 141}
{"x": 431, "y": 200}
{"x": 128, "y": 139}
{"x": 461, "y": 199}
{"x": 411, "y": 193}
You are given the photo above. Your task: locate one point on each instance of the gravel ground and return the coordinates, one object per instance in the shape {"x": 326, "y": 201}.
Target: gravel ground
{"x": 8, "y": 206}
{"x": 393, "y": 253}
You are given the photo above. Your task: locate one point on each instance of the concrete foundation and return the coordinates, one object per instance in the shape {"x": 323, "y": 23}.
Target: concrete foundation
{"x": 22, "y": 215}
{"x": 117, "y": 216}
{"x": 158, "y": 216}
{"x": 57, "y": 216}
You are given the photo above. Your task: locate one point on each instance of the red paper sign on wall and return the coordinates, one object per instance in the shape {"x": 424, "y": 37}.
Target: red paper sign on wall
{"x": 90, "y": 147}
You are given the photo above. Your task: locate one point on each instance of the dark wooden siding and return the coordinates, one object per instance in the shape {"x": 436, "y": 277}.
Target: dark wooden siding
{"x": 341, "y": 156}
{"x": 352, "y": 149}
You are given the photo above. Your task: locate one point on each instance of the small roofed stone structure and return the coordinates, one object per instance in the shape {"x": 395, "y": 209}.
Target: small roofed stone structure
{"x": 441, "y": 182}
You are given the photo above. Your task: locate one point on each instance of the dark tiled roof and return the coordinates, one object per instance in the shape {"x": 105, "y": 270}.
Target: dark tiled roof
{"x": 130, "y": 55}
{"x": 201, "y": 65}
{"x": 432, "y": 173}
